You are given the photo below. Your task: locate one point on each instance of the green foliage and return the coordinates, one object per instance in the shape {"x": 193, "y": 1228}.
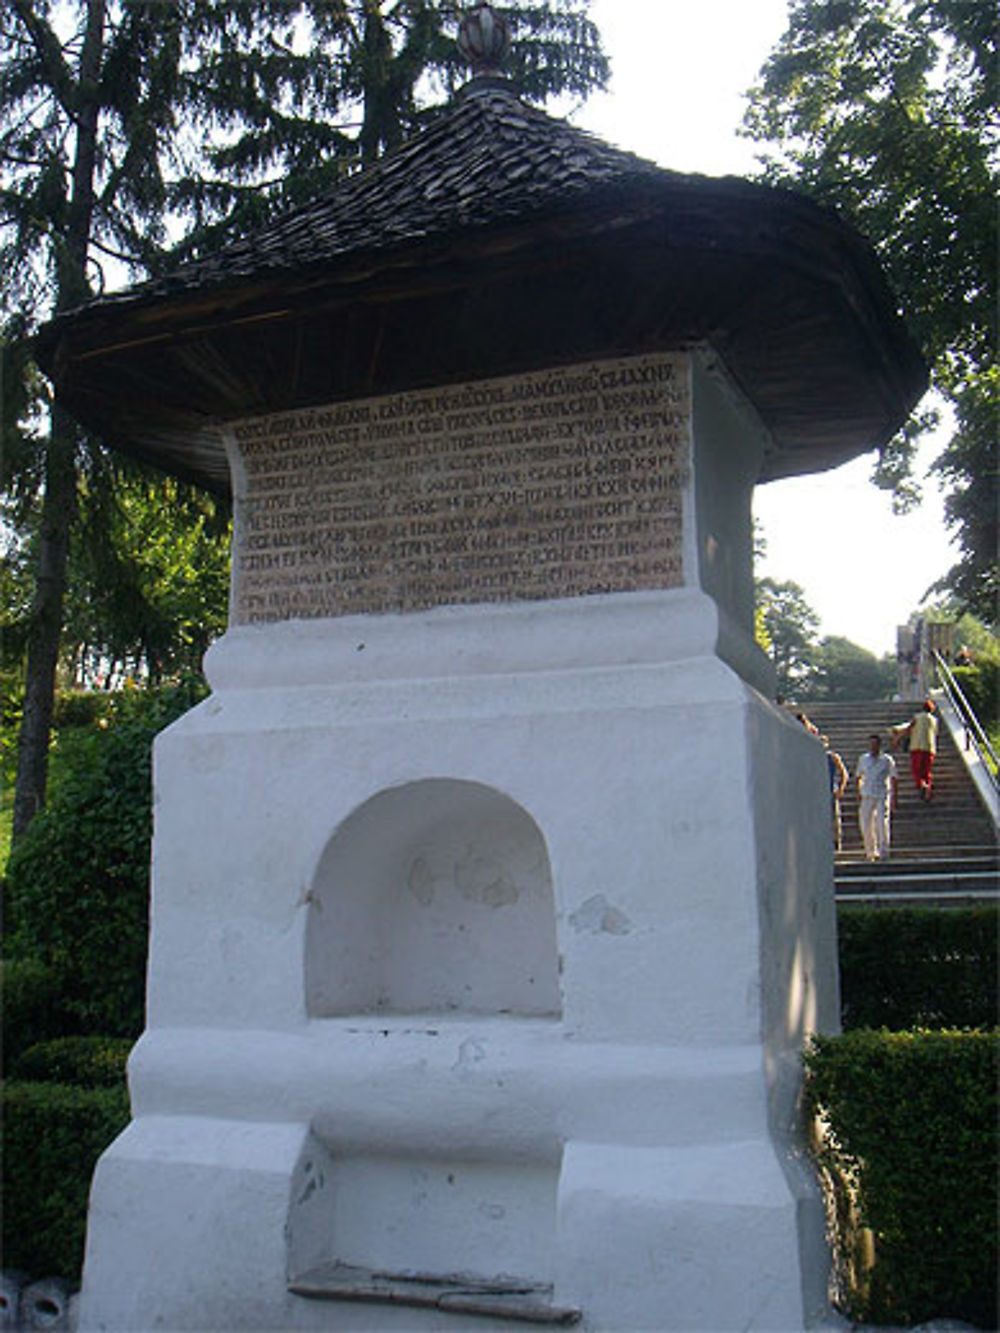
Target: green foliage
{"x": 148, "y": 576}
{"x": 911, "y": 1137}
{"x": 983, "y": 642}
{"x": 786, "y": 622}
{"x": 32, "y": 1008}
{"x": 88, "y": 1062}
{"x": 15, "y": 586}
{"x": 969, "y": 468}
{"x": 886, "y": 109}
{"x": 78, "y": 879}
{"x": 53, "y": 1135}
{"x": 918, "y": 967}
{"x": 981, "y": 686}
{"x": 80, "y": 708}
{"x": 833, "y": 668}
{"x": 841, "y": 670}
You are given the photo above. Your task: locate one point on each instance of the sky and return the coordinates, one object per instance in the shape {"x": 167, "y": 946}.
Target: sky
{"x": 680, "y": 69}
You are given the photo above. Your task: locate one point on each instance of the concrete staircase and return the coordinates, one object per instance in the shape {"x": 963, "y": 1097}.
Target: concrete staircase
{"x": 943, "y": 851}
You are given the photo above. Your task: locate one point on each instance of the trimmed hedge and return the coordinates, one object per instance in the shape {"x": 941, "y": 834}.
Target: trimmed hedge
{"x": 910, "y": 1152}
{"x": 32, "y": 1009}
{"x": 53, "y": 1135}
{"x": 918, "y": 967}
{"x": 89, "y": 1062}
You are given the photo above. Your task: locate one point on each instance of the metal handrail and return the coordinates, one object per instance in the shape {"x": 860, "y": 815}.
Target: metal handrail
{"x": 974, "y": 732}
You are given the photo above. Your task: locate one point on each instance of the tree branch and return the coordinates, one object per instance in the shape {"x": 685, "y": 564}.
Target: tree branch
{"x": 49, "y": 52}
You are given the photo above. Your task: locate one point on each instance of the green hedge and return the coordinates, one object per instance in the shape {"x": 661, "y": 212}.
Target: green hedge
{"x": 78, "y": 878}
{"x": 53, "y": 1135}
{"x": 32, "y": 1010}
{"x": 981, "y": 686}
{"x": 911, "y": 1144}
{"x": 918, "y": 967}
{"x": 89, "y": 1062}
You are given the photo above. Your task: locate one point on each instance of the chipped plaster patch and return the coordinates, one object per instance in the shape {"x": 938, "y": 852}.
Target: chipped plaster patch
{"x": 597, "y": 916}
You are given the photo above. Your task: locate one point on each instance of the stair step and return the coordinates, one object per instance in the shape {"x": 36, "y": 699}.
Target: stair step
{"x": 970, "y": 883}
{"x": 931, "y": 865}
{"x": 943, "y": 851}
{"x": 932, "y": 852}
{"x": 901, "y": 896}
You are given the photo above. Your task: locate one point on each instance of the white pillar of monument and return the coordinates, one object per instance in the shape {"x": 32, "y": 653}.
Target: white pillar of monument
{"x": 492, "y": 895}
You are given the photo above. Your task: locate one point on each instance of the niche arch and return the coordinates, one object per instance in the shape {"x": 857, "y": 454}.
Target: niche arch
{"x": 435, "y": 896}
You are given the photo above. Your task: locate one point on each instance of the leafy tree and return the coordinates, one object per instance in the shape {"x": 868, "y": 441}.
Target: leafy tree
{"x": 789, "y": 624}
{"x": 148, "y": 583}
{"x": 887, "y": 109}
{"x": 121, "y": 122}
{"x": 982, "y": 641}
{"x": 841, "y": 670}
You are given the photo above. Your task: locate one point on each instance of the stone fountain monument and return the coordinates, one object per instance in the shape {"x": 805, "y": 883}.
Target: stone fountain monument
{"x": 492, "y": 895}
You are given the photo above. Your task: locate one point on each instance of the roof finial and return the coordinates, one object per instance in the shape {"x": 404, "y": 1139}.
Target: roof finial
{"x": 484, "y": 39}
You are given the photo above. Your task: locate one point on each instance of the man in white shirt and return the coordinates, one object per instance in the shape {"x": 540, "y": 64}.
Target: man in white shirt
{"x": 877, "y": 788}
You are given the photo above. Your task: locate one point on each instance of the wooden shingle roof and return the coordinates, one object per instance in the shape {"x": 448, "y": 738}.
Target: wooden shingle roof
{"x": 492, "y": 159}
{"x": 499, "y": 239}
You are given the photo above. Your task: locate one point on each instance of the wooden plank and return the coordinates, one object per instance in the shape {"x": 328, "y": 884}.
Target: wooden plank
{"x": 452, "y": 1293}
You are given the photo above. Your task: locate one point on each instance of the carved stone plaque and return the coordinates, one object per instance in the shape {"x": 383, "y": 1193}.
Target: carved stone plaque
{"x": 557, "y": 483}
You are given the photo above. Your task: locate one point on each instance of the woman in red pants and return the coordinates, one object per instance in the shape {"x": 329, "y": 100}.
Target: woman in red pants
{"x": 923, "y": 730}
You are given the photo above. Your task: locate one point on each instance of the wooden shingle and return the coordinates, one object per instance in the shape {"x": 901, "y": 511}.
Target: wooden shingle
{"x": 499, "y": 240}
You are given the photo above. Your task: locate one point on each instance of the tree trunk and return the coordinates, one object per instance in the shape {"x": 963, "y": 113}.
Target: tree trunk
{"x": 378, "y": 126}
{"x": 58, "y": 513}
{"x": 59, "y": 500}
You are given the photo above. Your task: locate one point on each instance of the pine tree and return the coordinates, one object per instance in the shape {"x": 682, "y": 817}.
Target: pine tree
{"x": 125, "y": 125}
{"x": 887, "y": 109}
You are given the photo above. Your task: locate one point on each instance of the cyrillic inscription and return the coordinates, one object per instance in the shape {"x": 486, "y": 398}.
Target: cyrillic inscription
{"x": 552, "y": 484}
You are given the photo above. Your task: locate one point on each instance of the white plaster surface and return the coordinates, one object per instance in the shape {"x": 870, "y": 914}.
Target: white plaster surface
{"x": 484, "y": 938}
{"x": 433, "y": 896}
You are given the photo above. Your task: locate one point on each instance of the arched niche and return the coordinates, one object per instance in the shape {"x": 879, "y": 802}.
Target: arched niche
{"x": 435, "y": 896}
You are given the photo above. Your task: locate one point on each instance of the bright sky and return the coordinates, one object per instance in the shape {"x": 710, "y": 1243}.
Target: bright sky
{"x": 679, "y": 72}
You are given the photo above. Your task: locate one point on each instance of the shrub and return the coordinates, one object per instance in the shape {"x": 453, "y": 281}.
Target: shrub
{"x": 78, "y": 708}
{"x": 89, "y": 1062}
{"x": 32, "y": 1010}
{"x": 981, "y": 686}
{"x": 918, "y": 967}
{"x": 53, "y": 1135}
{"x": 78, "y": 879}
{"x": 911, "y": 1140}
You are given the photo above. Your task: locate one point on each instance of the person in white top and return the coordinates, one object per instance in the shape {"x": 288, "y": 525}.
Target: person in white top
{"x": 877, "y": 789}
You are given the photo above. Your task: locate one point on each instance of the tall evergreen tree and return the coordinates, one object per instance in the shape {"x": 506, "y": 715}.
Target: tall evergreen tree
{"x": 887, "y": 109}
{"x": 123, "y": 123}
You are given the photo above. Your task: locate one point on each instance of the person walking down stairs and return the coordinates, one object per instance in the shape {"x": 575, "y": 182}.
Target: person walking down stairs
{"x": 877, "y": 795}
{"x": 922, "y": 730}
{"x": 838, "y": 777}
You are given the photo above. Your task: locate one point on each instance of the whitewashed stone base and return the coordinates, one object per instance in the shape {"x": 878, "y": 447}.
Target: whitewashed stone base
{"x": 613, "y": 1117}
